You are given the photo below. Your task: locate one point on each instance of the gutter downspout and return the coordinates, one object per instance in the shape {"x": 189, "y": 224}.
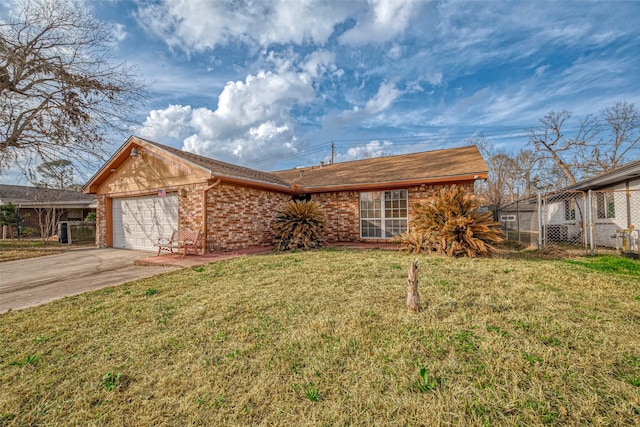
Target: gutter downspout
{"x": 205, "y": 214}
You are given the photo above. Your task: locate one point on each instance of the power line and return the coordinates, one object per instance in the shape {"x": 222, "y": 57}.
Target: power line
{"x": 397, "y": 141}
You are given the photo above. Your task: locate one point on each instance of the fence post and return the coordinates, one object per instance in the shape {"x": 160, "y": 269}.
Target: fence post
{"x": 540, "y": 226}
{"x": 518, "y": 219}
{"x": 590, "y": 209}
{"x": 585, "y": 238}
{"x": 628, "y": 200}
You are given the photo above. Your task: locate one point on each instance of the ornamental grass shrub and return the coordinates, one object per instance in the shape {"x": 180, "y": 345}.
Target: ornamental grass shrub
{"x": 450, "y": 223}
{"x": 300, "y": 225}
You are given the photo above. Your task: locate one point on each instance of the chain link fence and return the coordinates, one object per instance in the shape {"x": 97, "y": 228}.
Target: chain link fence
{"x": 615, "y": 220}
{"x": 520, "y": 221}
{"x": 590, "y": 220}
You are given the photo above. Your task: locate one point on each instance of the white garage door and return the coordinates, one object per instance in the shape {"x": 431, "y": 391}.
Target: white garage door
{"x": 139, "y": 221}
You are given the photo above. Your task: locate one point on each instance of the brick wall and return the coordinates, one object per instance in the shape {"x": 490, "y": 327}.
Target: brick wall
{"x": 343, "y": 210}
{"x": 190, "y": 209}
{"x": 239, "y": 217}
{"x": 101, "y": 221}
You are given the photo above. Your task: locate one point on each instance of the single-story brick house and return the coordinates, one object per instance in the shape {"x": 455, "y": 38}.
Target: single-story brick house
{"x": 32, "y": 202}
{"x": 147, "y": 189}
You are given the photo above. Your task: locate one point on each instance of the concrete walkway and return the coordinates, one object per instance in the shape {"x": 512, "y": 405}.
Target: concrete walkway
{"x": 33, "y": 281}
{"x": 176, "y": 259}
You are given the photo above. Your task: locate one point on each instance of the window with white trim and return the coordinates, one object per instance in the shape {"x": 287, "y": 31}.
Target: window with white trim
{"x": 605, "y": 205}
{"x": 383, "y": 214}
{"x": 570, "y": 209}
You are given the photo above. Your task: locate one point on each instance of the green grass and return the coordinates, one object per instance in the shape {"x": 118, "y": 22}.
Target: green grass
{"x": 324, "y": 338}
{"x": 610, "y": 264}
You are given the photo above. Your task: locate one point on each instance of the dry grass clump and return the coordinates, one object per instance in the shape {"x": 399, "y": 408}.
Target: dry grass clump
{"x": 324, "y": 338}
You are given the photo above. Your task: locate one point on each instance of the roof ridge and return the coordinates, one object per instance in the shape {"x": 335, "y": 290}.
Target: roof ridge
{"x": 203, "y": 159}
{"x": 372, "y": 159}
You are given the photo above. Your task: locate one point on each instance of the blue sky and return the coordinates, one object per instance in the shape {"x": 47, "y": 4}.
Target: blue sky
{"x": 270, "y": 84}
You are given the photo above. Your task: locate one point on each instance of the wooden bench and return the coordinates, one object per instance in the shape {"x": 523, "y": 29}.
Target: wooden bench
{"x": 186, "y": 240}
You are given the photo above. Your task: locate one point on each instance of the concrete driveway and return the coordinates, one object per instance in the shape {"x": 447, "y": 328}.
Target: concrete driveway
{"x": 35, "y": 281}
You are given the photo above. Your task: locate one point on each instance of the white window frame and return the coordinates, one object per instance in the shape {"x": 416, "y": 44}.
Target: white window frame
{"x": 384, "y": 203}
{"x": 570, "y": 209}
{"x": 605, "y": 205}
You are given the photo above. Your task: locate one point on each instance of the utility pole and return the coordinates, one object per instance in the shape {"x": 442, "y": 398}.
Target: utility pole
{"x": 333, "y": 146}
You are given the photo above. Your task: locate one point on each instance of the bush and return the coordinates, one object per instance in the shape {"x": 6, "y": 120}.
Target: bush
{"x": 450, "y": 223}
{"x": 29, "y": 232}
{"x": 412, "y": 241}
{"x": 91, "y": 216}
{"x": 300, "y": 225}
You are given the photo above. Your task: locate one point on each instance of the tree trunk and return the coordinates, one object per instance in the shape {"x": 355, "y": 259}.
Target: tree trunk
{"x": 413, "y": 299}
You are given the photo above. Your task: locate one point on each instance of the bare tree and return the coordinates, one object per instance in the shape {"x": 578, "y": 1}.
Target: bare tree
{"x": 513, "y": 176}
{"x": 499, "y": 187}
{"x": 55, "y": 174}
{"x": 621, "y": 126}
{"x": 48, "y": 208}
{"x": 551, "y": 142}
{"x": 61, "y": 91}
{"x": 598, "y": 143}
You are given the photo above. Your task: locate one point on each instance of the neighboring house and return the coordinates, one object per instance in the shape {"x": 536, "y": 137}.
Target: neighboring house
{"x": 34, "y": 202}
{"x": 614, "y": 208}
{"x": 615, "y": 203}
{"x": 147, "y": 189}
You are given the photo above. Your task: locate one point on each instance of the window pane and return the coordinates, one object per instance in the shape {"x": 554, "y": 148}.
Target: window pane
{"x": 393, "y": 227}
{"x": 371, "y": 228}
{"x": 600, "y": 205}
{"x": 383, "y": 214}
{"x": 611, "y": 206}
{"x": 605, "y": 205}
{"x": 570, "y": 209}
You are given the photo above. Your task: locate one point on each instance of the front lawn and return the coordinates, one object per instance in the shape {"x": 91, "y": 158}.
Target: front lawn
{"x": 324, "y": 338}
{"x": 11, "y": 250}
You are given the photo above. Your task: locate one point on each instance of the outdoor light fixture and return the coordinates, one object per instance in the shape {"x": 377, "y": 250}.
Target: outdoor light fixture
{"x": 134, "y": 152}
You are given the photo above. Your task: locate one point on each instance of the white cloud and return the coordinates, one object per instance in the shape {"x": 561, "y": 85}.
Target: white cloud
{"x": 319, "y": 62}
{"x": 381, "y": 101}
{"x": 196, "y": 25}
{"x": 170, "y": 124}
{"x": 541, "y": 69}
{"x": 382, "y": 21}
{"x": 119, "y": 32}
{"x": 395, "y": 52}
{"x": 387, "y": 93}
{"x": 372, "y": 149}
{"x": 434, "y": 78}
{"x": 252, "y": 122}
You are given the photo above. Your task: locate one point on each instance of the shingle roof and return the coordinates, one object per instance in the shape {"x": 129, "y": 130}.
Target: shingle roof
{"x": 19, "y": 194}
{"x": 438, "y": 166}
{"x": 427, "y": 165}
{"x": 219, "y": 168}
{"x": 625, "y": 172}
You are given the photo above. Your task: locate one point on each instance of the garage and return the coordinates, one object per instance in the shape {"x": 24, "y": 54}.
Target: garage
{"x": 139, "y": 221}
